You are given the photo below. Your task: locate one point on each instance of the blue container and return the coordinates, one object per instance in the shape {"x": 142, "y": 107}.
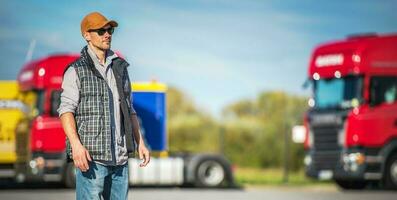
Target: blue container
{"x": 150, "y": 105}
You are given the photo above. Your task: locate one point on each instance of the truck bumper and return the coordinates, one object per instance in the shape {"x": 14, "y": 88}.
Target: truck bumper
{"x": 42, "y": 167}
{"x": 347, "y": 165}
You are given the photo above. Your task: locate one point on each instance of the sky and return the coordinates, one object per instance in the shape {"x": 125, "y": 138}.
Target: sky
{"x": 216, "y": 51}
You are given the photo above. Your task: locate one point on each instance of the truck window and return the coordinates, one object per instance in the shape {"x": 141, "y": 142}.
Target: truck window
{"x": 55, "y": 101}
{"x": 383, "y": 90}
{"x": 337, "y": 92}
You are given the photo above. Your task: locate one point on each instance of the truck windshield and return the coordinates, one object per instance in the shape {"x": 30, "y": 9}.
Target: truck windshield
{"x": 338, "y": 92}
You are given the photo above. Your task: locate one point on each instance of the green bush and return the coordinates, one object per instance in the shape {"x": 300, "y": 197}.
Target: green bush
{"x": 251, "y": 133}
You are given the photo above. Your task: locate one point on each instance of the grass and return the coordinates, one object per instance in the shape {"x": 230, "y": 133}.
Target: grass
{"x": 263, "y": 177}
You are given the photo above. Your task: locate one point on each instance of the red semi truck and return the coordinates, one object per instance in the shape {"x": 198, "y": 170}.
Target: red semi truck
{"x": 351, "y": 124}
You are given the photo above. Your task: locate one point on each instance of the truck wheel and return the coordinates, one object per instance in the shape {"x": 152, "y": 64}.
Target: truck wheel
{"x": 211, "y": 172}
{"x": 391, "y": 173}
{"x": 351, "y": 185}
{"x": 70, "y": 175}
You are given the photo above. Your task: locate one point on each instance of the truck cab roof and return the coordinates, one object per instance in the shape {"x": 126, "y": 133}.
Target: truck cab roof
{"x": 46, "y": 72}
{"x": 365, "y": 54}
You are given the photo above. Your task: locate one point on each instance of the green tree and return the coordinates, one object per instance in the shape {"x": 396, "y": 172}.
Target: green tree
{"x": 190, "y": 130}
{"x": 252, "y": 130}
{"x": 255, "y": 129}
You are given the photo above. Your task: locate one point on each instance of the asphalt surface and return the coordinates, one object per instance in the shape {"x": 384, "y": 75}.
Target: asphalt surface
{"x": 268, "y": 193}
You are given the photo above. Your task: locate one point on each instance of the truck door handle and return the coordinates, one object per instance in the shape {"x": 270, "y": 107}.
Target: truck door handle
{"x": 395, "y": 122}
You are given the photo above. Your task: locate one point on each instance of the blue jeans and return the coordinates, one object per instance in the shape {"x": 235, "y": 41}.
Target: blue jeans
{"x": 107, "y": 182}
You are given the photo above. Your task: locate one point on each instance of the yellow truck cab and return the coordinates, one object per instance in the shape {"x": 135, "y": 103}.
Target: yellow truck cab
{"x": 11, "y": 112}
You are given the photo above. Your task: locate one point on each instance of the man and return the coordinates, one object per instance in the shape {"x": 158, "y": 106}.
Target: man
{"x": 98, "y": 117}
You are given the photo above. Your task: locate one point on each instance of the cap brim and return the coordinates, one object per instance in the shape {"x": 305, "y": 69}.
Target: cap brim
{"x": 110, "y": 22}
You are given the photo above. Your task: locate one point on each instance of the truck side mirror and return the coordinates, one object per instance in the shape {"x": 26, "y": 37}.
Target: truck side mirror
{"x": 306, "y": 84}
{"x": 298, "y": 134}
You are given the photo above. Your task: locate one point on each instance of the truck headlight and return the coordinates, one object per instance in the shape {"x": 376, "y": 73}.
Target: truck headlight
{"x": 307, "y": 160}
{"x": 37, "y": 164}
{"x": 352, "y": 161}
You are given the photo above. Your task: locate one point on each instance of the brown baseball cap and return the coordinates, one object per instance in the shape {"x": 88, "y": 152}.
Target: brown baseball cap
{"x": 95, "y": 20}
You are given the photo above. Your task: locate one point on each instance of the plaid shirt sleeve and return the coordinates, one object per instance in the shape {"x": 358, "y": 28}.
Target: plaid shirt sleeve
{"x": 70, "y": 92}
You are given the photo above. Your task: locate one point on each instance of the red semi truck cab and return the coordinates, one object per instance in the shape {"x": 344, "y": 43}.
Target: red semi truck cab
{"x": 352, "y": 120}
{"x": 40, "y": 143}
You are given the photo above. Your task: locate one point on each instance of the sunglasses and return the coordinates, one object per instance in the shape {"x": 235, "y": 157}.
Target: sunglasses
{"x": 102, "y": 31}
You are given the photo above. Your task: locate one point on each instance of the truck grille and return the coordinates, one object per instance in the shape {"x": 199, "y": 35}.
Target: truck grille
{"x": 326, "y": 148}
{"x": 325, "y": 160}
{"x": 326, "y": 139}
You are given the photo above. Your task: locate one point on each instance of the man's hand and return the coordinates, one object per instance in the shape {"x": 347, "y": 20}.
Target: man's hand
{"x": 80, "y": 157}
{"x": 79, "y": 152}
{"x": 143, "y": 154}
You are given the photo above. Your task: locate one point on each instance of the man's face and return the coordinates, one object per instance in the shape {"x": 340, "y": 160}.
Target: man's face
{"x": 102, "y": 42}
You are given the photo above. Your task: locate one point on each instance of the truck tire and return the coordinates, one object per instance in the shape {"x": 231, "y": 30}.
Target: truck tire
{"x": 390, "y": 178}
{"x": 70, "y": 175}
{"x": 351, "y": 185}
{"x": 212, "y": 171}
